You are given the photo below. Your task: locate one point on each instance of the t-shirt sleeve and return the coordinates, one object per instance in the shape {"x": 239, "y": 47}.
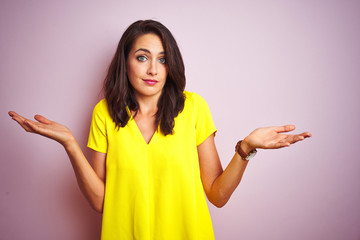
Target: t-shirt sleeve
{"x": 204, "y": 124}
{"x": 98, "y": 135}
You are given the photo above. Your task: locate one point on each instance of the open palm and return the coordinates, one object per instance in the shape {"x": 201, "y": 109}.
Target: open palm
{"x": 44, "y": 127}
{"x": 274, "y": 137}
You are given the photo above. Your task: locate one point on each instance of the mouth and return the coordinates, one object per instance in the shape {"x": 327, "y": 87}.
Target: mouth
{"x": 150, "y": 82}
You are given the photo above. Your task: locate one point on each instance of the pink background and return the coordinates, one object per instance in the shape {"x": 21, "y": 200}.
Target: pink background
{"x": 257, "y": 63}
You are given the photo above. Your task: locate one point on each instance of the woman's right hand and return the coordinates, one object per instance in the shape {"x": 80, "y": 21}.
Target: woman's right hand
{"x": 45, "y": 127}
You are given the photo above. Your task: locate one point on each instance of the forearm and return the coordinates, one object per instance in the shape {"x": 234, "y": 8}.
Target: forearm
{"x": 89, "y": 182}
{"x": 226, "y": 183}
{"x": 218, "y": 184}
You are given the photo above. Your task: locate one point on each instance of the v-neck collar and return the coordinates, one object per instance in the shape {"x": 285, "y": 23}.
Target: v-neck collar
{"x": 140, "y": 135}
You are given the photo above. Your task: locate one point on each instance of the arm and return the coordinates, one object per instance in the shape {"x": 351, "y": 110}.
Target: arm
{"x": 91, "y": 180}
{"x": 219, "y": 184}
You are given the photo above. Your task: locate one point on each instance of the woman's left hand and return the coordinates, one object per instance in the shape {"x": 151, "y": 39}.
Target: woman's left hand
{"x": 273, "y": 137}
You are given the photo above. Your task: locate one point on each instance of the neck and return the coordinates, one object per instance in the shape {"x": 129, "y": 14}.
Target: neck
{"x": 147, "y": 105}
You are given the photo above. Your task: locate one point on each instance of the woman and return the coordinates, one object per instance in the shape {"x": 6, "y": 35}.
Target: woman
{"x": 154, "y": 145}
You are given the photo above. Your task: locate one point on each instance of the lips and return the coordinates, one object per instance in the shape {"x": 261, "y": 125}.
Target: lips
{"x": 150, "y": 82}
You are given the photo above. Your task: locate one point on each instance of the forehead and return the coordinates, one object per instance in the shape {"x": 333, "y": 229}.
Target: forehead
{"x": 149, "y": 41}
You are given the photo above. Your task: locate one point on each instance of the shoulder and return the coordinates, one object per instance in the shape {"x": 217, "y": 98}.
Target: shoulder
{"x": 194, "y": 99}
{"x": 101, "y": 106}
{"x": 101, "y": 109}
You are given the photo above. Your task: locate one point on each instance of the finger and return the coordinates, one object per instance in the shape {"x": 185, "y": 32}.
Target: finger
{"x": 20, "y": 120}
{"x": 41, "y": 127}
{"x": 295, "y": 138}
{"x": 12, "y": 113}
{"x": 281, "y": 145}
{"x": 23, "y": 123}
{"x": 36, "y": 127}
{"x": 286, "y": 128}
{"x": 42, "y": 119}
{"x": 276, "y": 142}
{"x": 306, "y": 134}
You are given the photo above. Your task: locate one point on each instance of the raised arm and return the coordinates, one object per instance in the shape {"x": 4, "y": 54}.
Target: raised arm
{"x": 219, "y": 184}
{"x": 91, "y": 180}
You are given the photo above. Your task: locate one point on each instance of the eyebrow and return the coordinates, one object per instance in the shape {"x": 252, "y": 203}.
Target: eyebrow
{"x": 146, "y": 50}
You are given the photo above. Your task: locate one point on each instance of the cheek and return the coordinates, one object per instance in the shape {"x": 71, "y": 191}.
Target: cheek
{"x": 131, "y": 75}
{"x": 165, "y": 72}
{"x": 134, "y": 67}
{"x": 130, "y": 70}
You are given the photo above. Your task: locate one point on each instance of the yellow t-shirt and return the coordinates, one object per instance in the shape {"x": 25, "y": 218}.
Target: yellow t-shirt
{"x": 154, "y": 191}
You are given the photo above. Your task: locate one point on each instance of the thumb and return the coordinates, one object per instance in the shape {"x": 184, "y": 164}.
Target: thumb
{"x": 42, "y": 119}
{"x": 285, "y": 128}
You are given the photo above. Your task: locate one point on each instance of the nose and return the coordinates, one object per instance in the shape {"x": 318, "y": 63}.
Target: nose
{"x": 152, "y": 69}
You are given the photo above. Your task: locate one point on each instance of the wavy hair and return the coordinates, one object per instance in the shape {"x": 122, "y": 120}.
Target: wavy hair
{"x": 119, "y": 93}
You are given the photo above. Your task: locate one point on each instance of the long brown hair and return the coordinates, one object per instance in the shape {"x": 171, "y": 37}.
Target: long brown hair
{"x": 119, "y": 93}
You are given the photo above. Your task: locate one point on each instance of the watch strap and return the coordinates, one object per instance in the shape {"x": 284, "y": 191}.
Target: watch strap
{"x": 242, "y": 154}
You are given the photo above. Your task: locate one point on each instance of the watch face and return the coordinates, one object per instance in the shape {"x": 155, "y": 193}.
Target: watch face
{"x": 251, "y": 155}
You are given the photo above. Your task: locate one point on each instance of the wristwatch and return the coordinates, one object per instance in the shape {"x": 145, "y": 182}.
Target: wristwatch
{"x": 242, "y": 154}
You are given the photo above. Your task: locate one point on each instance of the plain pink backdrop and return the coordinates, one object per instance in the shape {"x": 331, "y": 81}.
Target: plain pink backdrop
{"x": 257, "y": 63}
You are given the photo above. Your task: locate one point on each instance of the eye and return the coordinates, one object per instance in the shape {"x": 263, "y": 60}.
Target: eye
{"x": 142, "y": 58}
{"x": 162, "y": 60}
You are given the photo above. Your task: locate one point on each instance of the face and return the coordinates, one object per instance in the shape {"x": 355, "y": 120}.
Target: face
{"x": 146, "y": 66}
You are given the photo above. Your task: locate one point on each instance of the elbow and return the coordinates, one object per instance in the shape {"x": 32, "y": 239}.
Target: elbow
{"x": 97, "y": 207}
{"x": 219, "y": 200}
{"x": 99, "y": 210}
{"x": 97, "y": 203}
{"x": 219, "y": 204}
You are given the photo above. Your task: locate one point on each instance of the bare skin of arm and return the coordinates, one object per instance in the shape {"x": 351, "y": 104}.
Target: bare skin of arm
{"x": 219, "y": 184}
{"x": 91, "y": 180}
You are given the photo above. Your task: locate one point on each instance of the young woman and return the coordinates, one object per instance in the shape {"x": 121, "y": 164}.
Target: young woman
{"x": 154, "y": 152}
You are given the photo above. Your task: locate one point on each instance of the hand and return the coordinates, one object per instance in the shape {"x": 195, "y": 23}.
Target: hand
{"x": 272, "y": 138}
{"x": 45, "y": 128}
